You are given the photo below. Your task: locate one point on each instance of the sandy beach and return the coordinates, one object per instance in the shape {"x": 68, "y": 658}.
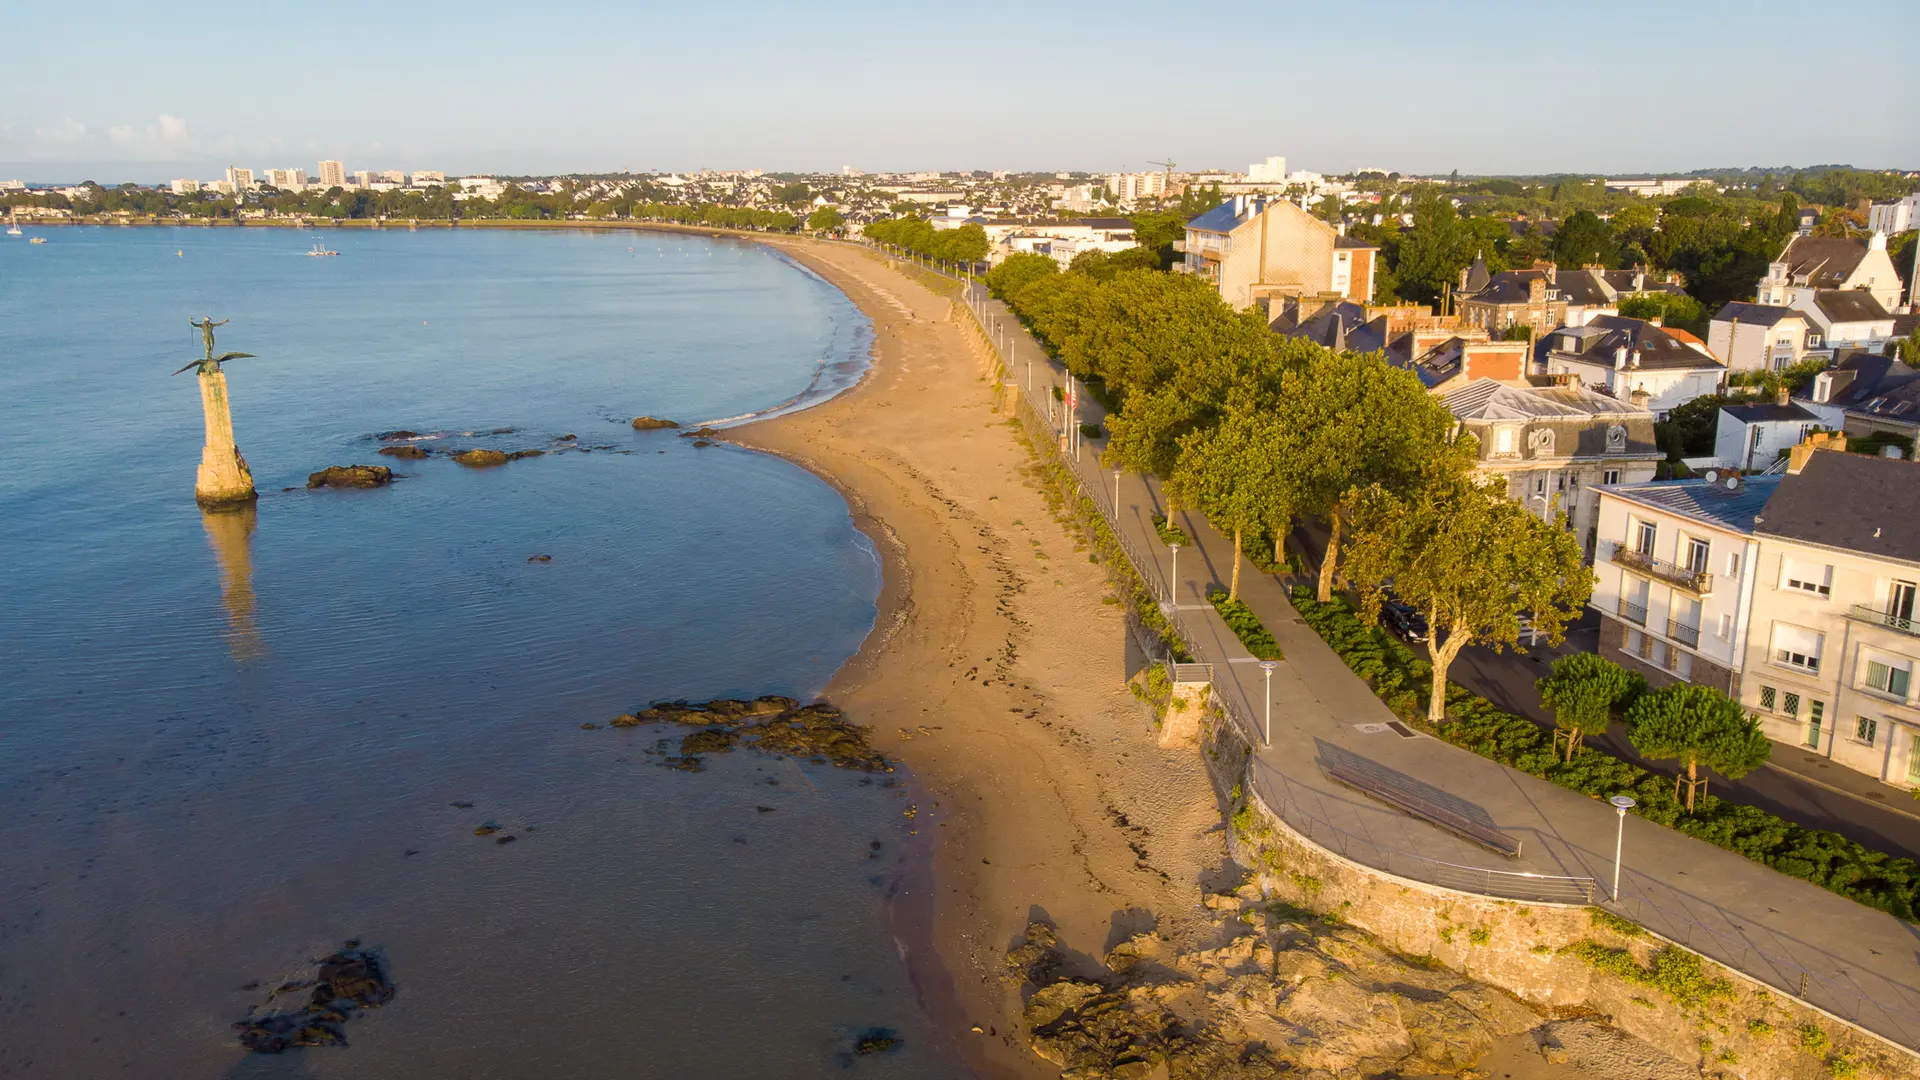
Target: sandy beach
{"x": 995, "y": 671}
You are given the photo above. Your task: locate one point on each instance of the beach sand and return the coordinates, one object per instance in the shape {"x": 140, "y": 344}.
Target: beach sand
{"x": 996, "y": 672}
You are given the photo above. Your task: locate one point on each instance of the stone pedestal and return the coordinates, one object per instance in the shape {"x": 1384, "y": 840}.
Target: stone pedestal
{"x": 224, "y": 477}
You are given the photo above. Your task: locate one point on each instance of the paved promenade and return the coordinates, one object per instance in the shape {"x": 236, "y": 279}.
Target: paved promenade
{"x": 1855, "y": 962}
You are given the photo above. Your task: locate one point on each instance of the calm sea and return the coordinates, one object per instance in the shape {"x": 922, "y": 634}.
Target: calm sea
{"x": 230, "y": 742}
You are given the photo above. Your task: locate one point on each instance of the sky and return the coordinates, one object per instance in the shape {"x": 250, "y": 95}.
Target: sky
{"x": 1482, "y": 86}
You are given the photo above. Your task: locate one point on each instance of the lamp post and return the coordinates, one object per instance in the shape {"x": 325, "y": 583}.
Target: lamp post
{"x": 1173, "y": 578}
{"x": 1116, "y": 496}
{"x": 1266, "y": 734}
{"x": 1621, "y": 803}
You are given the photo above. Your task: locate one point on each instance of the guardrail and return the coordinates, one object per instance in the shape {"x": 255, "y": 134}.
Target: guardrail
{"x": 1873, "y": 615}
{"x": 1632, "y": 612}
{"x": 1683, "y": 577}
{"x": 1684, "y": 634}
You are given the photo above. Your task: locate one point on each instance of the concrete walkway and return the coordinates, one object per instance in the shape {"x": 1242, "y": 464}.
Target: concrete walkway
{"x": 1855, "y": 962}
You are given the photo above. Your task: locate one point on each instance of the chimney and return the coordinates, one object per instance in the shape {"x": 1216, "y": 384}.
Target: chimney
{"x": 1620, "y": 358}
{"x": 1657, "y": 320}
{"x": 1781, "y": 396}
{"x": 1537, "y": 289}
{"x": 1640, "y": 397}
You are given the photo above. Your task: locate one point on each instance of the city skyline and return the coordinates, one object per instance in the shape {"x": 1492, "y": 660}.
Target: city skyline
{"x": 1025, "y": 89}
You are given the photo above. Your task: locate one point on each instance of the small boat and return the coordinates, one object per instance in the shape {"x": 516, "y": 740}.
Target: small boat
{"x": 37, "y": 240}
{"x": 320, "y": 249}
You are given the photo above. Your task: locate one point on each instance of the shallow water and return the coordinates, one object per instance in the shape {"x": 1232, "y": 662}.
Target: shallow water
{"x": 229, "y": 742}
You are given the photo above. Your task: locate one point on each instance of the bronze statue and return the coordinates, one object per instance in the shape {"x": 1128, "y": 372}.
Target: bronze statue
{"x": 211, "y": 363}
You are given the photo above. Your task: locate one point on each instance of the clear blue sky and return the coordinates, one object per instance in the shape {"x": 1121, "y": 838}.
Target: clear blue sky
{"x": 117, "y": 91}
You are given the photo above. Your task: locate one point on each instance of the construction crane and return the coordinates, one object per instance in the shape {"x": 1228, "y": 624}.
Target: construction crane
{"x": 1170, "y": 167}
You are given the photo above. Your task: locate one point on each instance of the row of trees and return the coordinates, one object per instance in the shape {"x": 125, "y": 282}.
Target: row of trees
{"x": 966, "y": 244}
{"x": 1254, "y": 430}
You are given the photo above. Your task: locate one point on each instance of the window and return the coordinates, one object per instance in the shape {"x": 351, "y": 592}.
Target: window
{"x": 1805, "y": 576}
{"x": 1767, "y": 698}
{"x": 1865, "y": 728}
{"x": 1733, "y": 564}
{"x": 1790, "y": 704}
{"x": 1540, "y": 484}
{"x": 1726, "y": 627}
{"x": 1610, "y": 476}
{"x": 1636, "y": 642}
{"x": 1891, "y": 679}
{"x": 1816, "y": 712}
{"x": 1503, "y": 441}
{"x": 1900, "y": 597}
{"x": 1696, "y": 556}
{"x": 1796, "y": 647}
{"x": 1683, "y": 664}
{"x": 1644, "y": 533}
{"x": 1913, "y": 760}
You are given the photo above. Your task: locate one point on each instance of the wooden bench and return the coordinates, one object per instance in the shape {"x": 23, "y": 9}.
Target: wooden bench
{"x": 1383, "y": 786}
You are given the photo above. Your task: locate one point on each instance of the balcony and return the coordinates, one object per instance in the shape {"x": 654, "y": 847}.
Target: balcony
{"x": 1697, "y": 582}
{"x": 1863, "y": 613}
{"x": 1684, "y": 634}
{"x": 1632, "y": 612}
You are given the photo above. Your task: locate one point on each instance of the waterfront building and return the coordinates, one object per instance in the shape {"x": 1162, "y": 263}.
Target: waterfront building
{"x": 332, "y": 174}
{"x": 184, "y": 186}
{"x": 241, "y": 179}
{"x": 1257, "y": 251}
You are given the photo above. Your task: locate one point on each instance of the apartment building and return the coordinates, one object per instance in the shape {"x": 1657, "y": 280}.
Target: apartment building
{"x": 1635, "y": 360}
{"x": 1833, "y": 645}
{"x": 333, "y": 174}
{"x": 1255, "y": 249}
{"x": 1673, "y": 576}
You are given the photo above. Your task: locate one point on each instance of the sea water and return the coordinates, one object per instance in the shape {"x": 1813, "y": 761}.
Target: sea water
{"x": 229, "y": 742}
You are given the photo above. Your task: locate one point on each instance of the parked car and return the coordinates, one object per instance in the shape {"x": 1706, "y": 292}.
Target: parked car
{"x": 1404, "y": 621}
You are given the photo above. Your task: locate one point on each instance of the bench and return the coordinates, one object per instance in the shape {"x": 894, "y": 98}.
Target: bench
{"x": 1383, "y": 786}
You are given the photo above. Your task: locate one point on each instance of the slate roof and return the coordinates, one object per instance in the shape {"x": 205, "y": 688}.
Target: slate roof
{"x": 1354, "y": 242}
{"x": 1477, "y": 276}
{"x": 1224, "y": 219}
{"x": 1849, "y": 305}
{"x": 1756, "y": 314}
{"x": 1855, "y": 502}
{"x": 1490, "y": 399}
{"x": 1768, "y": 412}
{"x": 1825, "y": 261}
{"x": 1862, "y": 376}
{"x": 1340, "y": 326}
{"x": 1653, "y": 346}
{"x": 1712, "y": 503}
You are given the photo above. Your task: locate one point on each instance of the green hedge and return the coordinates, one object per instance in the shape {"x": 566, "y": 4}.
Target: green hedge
{"x": 1246, "y": 626}
{"x": 1401, "y": 678}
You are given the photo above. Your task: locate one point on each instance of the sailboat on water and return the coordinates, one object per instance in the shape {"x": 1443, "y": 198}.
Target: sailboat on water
{"x": 13, "y": 221}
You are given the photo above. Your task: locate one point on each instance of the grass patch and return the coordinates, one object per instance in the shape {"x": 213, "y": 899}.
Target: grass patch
{"x": 1607, "y": 920}
{"x": 1246, "y": 626}
{"x": 1675, "y": 972}
{"x": 1170, "y": 534}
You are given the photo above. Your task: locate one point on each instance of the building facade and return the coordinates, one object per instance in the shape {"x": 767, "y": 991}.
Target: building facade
{"x": 1757, "y": 337}
{"x": 1254, "y": 249}
{"x": 1810, "y": 264}
{"x": 333, "y": 174}
{"x": 1834, "y": 642}
{"x": 1634, "y": 360}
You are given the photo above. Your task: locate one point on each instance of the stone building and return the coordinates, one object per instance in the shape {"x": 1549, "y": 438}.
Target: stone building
{"x": 1255, "y": 249}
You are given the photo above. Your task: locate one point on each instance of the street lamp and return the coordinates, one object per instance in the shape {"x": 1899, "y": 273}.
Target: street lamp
{"x": 1267, "y": 667}
{"x": 1173, "y": 580}
{"x": 1116, "y": 496}
{"x": 1622, "y": 803}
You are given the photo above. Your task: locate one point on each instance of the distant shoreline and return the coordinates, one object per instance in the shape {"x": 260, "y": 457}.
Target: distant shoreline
{"x": 403, "y": 225}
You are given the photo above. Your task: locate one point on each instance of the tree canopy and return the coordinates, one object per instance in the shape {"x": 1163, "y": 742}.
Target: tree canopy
{"x": 1697, "y": 725}
{"x": 1583, "y": 690}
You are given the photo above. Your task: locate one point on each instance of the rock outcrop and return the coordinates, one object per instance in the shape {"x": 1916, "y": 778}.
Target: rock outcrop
{"x": 348, "y": 980}
{"x": 351, "y": 476}
{"x": 1281, "y": 993}
{"x": 481, "y": 459}
{"x": 771, "y": 724}
{"x": 405, "y": 450}
{"x": 652, "y": 423}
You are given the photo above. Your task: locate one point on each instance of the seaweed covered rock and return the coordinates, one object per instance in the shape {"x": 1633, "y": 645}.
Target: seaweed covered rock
{"x": 652, "y": 423}
{"x": 350, "y": 476}
{"x": 347, "y": 981}
{"x": 481, "y": 459}
{"x": 772, "y": 724}
{"x": 407, "y": 451}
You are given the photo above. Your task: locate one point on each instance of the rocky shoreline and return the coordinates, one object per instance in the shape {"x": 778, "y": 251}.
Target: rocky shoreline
{"x": 771, "y": 724}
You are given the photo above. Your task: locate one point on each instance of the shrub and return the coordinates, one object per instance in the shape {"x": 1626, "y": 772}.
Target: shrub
{"x": 1091, "y": 431}
{"x": 1246, "y": 626}
{"x": 1169, "y": 532}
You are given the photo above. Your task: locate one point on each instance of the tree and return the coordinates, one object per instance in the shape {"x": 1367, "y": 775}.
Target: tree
{"x": 1582, "y": 692}
{"x": 1909, "y": 347}
{"x": 1699, "y": 726}
{"x": 1673, "y": 309}
{"x": 1229, "y": 472}
{"x": 1157, "y": 233}
{"x": 1017, "y": 270}
{"x": 1585, "y": 240}
{"x": 1434, "y": 252}
{"x": 1352, "y": 421}
{"x": 826, "y": 220}
{"x": 1472, "y": 560}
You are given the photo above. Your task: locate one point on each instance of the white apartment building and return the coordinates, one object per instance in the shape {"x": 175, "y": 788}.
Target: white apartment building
{"x": 1834, "y": 643}
{"x": 333, "y": 174}
{"x": 1673, "y": 576}
{"x": 1894, "y": 217}
{"x": 241, "y": 179}
{"x": 1132, "y": 187}
{"x": 184, "y": 186}
{"x": 427, "y": 179}
{"x": 1651, "y": 188}
{"x": 1271, "y": 171}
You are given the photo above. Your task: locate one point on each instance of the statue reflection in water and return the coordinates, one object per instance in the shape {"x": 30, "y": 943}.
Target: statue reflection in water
{"x": 230, "y": 531}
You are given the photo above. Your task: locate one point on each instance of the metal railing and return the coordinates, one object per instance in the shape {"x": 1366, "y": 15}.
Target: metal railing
{"x": 1873, "y": 615}
{"x": 1683, "y": 577}
{"x": 1632, "y": 612}
{"x": 1684, "y": 634}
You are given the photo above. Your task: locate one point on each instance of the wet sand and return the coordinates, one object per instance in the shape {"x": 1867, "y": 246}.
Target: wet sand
{"x": 995, "y": 671}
